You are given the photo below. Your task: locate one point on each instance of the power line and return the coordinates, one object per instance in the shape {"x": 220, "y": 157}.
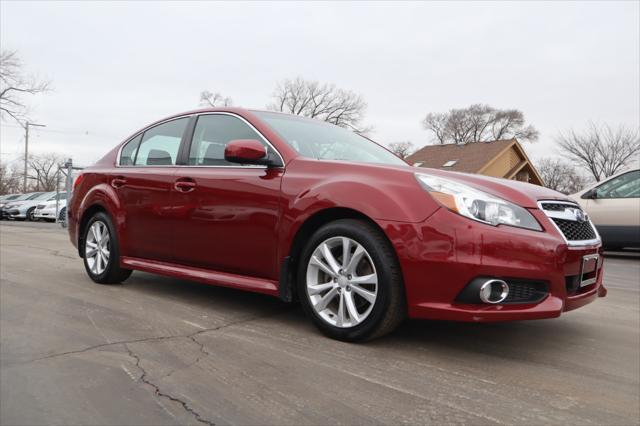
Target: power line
{"x": 66, "y": 132}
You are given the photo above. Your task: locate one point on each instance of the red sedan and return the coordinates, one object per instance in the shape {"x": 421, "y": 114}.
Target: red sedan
{"x": 301, "y": 209}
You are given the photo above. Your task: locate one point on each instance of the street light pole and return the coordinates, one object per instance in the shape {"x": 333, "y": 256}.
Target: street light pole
{"x": 26, "y": 150}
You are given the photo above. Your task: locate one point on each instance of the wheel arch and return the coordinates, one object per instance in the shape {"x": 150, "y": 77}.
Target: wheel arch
{"x": 99, "y": 199}
{"x": 310, "y": 225}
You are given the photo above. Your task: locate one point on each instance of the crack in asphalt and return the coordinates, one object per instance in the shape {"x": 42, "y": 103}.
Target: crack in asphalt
{"x": 158, "y": 338}
{"x": 143, "y": 378}
{"x": 205, "y": 353}
{"x": 52, "y": 251}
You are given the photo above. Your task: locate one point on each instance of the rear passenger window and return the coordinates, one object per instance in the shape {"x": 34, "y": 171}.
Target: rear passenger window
{"x": 128, "y": 152}
{"x": 160, "y": 144}
{"x": 211, "y": 135}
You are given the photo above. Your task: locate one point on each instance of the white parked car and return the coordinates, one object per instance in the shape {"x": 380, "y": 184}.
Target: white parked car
{"x": 47, "y": 209}
{"x": 23, "y": 209}
{"x": 15, "y": 202}
{"x": 4, "y": 199}
{"x": 614, "y": 207}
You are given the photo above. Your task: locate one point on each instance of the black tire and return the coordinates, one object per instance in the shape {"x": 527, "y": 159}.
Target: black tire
{"x": 62, "y": 214}
{"x": 389, "y": 308}
{"x": 113, "y": 273}
{"x": 30, "y": 215}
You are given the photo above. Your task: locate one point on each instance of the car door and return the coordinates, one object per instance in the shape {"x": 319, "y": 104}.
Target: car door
{"x": 614, "y": 208}
{"x": 229, "y": 212}
{"x": 143, "y": 181}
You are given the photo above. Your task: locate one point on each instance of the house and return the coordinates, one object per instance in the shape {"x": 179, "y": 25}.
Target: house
{"x": 504, "y": 159}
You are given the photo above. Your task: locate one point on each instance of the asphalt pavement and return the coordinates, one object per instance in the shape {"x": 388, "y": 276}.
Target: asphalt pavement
{"x": 161, "y": 351}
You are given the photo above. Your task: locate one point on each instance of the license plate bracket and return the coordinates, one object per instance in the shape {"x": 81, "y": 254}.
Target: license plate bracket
{"x": 589, "y": 269}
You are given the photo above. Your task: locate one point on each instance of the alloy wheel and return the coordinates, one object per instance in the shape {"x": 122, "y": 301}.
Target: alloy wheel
{"x": 342, "y": 282}
{"x": 97, "y": 247}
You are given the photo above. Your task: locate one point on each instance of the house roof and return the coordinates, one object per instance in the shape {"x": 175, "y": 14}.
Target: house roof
{"x": 469, "y": 158}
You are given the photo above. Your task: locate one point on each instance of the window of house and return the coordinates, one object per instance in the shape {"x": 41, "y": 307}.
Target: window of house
{"x": 450, "y": 163}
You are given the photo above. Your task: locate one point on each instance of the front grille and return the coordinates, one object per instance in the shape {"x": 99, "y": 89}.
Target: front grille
{"x": 570, "y": 219}
{"x": 556, "y": 207}
{"x": 525, "y": 291}
{"x": 575, "y": 231}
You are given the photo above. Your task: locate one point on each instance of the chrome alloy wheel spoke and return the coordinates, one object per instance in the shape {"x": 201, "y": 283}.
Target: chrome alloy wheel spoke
{"x": 341, "y": 282}
{"x": 97, "y": 247}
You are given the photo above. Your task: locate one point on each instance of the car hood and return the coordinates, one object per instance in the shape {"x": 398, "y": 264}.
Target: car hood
{"x": 15, "y": 203}
{"x": 520, "y": 193}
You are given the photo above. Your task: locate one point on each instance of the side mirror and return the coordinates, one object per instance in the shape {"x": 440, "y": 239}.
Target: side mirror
{"x": 591, "y": 194}
{"x": 249, "y": 151}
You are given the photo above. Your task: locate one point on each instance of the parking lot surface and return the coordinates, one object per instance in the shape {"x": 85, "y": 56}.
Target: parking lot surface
{"x": 158, "y": 351}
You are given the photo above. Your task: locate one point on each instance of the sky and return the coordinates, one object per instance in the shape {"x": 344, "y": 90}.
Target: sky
{"x": 115, "y": 67}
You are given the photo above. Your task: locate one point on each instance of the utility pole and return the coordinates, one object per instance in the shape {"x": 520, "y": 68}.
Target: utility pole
{"x": 26, "y": 150}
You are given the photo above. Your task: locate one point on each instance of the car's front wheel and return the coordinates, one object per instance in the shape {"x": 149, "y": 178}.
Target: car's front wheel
{"x": 30, "y": 214}
{"x": 101, "y": 251}
{"x": 349, "y": 281}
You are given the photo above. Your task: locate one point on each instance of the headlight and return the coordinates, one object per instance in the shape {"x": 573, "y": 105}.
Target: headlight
{"x": 475, "y": 204}
{"x": 10, "y": 206}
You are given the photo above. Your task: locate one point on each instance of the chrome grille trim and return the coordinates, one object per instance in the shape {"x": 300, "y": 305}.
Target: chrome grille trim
{"x": 555, "y": 212}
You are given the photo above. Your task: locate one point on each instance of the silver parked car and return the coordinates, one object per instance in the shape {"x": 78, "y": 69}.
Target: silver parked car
{"x": 23, "y": 208}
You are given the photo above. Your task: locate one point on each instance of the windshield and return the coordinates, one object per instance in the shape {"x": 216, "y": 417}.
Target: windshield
{"x": 324, "y": 141}
{"x": 60, "y": 196}
{"x": 40, "y": 196}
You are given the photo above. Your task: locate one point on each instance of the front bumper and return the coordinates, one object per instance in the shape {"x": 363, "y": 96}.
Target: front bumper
{"x": 441, "y": 255}
{"x": 45, "y": 214}
{"x": 13, "y": 214}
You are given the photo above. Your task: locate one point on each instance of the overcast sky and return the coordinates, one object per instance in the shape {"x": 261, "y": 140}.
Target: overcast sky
{"x": 117, "y": 66}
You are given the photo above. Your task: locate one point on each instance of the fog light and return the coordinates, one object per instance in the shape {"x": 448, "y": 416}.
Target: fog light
{"x": 494, "y": 291}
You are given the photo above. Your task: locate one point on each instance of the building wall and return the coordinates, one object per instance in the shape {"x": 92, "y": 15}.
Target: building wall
{"x": 503, "y": 164}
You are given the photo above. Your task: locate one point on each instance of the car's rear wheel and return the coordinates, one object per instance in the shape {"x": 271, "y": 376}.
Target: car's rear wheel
{"x": 101, "y": 251}
{"x": 349, "y": 281}
{"x": 62, "y": 216}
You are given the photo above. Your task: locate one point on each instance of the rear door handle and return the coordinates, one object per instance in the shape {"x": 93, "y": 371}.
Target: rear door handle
{"x": 185, "y": 185}
{"x": 118, "y": 182}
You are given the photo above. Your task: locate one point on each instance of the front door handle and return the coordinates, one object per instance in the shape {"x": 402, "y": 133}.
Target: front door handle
{"x": 118, "y": 182}
{"x": 185, "y": 185}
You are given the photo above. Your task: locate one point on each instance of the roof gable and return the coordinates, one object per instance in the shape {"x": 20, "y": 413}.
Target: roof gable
{"x": 470, "y": 158}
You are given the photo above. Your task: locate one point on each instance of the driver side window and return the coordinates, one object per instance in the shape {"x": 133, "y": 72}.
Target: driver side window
{"x": 212, "y": 134}
{"x": 624, "y": 186}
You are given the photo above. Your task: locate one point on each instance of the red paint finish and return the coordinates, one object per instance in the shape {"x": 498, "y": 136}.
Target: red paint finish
{"x": 234, "y": 226}
{"x": 244, "y": 149}
{"x": 230, "y": 221}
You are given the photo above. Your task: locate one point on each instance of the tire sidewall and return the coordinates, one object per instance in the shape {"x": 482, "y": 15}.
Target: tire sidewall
{"x": 362, "y": 235}
{"x": 114, "y": 254}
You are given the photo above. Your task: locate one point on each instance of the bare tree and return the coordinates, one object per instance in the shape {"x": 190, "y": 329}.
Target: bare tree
{"x": 603, "y": 150}
{"x": 14, "y": 84}
{"x": 321, "y": 101}
{"x": 437, "y": 122}
{"x": 479, "y": 123}
{"x": 401, "y": 149}
{"x": 208, "y": 98}
{"x": 560, "y": 175}
{"x": 43, "y": 171}
{"x": 10, "y": 179}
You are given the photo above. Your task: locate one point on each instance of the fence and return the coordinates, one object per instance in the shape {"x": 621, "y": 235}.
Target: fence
{"x": 65, "y": 170}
